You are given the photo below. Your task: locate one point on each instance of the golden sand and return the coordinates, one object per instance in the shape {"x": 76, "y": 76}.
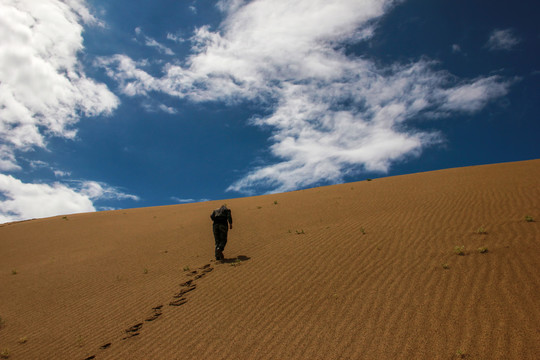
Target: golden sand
{"x": 365, "y": 270}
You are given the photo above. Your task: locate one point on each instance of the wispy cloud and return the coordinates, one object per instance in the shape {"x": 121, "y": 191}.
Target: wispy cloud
{"x": 175, "y": 37}
{"x": 101, "y": 191}
{"x": 185, "y": 201}
{"x": 333, "y": 113}
{"x": 148, "y": 41}
{"x": 503, "y": 40}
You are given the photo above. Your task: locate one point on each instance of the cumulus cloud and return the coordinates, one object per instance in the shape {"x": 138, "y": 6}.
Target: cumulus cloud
{"x": 502, "y": 40}
{"x": 332, "y": 113}
{"x": 44, "y": 91}
{"x": 43, "y": 88}
{"x": 26, "y": 200}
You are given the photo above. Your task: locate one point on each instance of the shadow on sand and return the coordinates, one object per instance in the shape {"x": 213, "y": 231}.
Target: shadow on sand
{"x": 234, "y": 260}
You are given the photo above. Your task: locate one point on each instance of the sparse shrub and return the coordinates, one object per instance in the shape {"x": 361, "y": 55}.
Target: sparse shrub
{"x": 2, "y": 322}
{"x": 368, "y": 179}
{"x": 4, "y": 354}
{"x": 186, "y": 268}
{"x": 14, "y": 272}
{"x": 529, "y": 218}
{"x": 481, "y": 230}
{"x": 301, "y": 232}
{"x": 445, "y": 266}
{"x": 236, "y": 262}
{"x": 459, "y": 250}
{"x": 275, "y": 202}
{"x": 483, "y": 250}
{"x": 145, "y": 271}
{"x": 363, "y": 231}
{"x": 460, "y": 354}
{"x": 23, "y": 340}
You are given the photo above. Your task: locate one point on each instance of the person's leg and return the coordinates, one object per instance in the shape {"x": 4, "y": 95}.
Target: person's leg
{"x": 222, "y": 240}
{"x": 217, "y": 240}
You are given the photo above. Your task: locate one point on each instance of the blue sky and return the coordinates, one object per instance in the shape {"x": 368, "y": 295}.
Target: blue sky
{"x": 121, "y": 104}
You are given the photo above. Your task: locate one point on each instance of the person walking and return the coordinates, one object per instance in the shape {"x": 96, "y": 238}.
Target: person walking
{"x": 222, "y": 223}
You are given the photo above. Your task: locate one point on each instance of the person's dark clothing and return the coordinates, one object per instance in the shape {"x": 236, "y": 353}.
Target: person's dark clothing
{"x": 222, "y": 220}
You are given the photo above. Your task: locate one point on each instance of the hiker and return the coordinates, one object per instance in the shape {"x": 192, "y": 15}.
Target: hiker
{"x": 221, "y": 218}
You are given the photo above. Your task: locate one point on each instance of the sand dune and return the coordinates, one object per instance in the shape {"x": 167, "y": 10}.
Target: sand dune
{"x": 363, "y": 270}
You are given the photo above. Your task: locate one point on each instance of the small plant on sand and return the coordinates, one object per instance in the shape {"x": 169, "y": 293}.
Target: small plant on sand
{"x": 460, "y": 354}
{"x": 481, "y": 230}
{"x": 13, "y": 272}
{"x": 236, "y": 262}
{"x": 145, "y": 271}
{"x": 259, "y": 207}
{"x": 275, "y": 202}
{"x": 23, "y": 340}
{"x": 65, "y": 218}
{"x": 363, "y": 231}
{"x": 483, "y": 249}
{"x": 4, "y": 354}
{"x": 186, "y": 268}
{"x": 445, "y": 266}
{"x": 459, "y": 250}
{"x": 529, "y": 218}
{"x": 2, "y": 322}
{"x": 301, "y": 232}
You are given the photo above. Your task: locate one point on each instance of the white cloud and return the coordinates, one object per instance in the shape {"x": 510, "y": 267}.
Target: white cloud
{"x": 43, "y": 88}
{"x": 26, "y": 201}
{"x": 184, "y": 201}
{"x": 21, "y": 200}
{"x": 502, "y": 40}
{"x": 100, "y": 191}
{"x": 60, "y": 173}
{"x": 44, "y": 92}
{"x": 332, "y": 113}
{"x": 473, "y": 96}
{"x": 175, "y": 37}
{"x": 456, "y": 48}
{"x": 148, "y": 41}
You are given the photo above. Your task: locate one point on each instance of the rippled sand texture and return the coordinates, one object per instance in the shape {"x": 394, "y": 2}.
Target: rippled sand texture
{"x": 364, "y": 270}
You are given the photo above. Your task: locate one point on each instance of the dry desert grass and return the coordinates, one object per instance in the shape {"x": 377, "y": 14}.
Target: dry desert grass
{"x": 363, "y": 270}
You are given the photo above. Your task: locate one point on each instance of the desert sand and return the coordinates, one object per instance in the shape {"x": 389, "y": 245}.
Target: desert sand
{"x": 365, "y": 270}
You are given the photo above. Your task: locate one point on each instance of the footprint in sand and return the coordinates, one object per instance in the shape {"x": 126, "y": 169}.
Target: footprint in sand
{"x": 133, "y": 331}
{"x": 157, "y": 311}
